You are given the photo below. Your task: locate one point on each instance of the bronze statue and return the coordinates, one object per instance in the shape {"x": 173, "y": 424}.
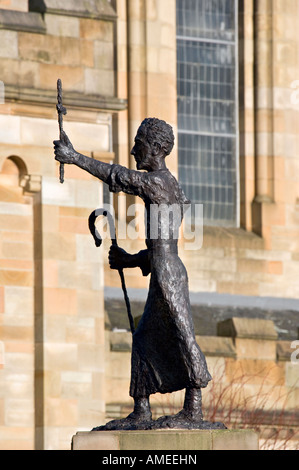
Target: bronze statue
{"x": 165, "y": 355}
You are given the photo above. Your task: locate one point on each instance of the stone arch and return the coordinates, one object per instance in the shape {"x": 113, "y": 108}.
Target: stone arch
{"x": 14, "y": 166}
{"x": 12, "y": 171}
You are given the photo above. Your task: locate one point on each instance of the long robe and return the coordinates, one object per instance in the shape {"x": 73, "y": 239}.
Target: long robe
{"x": 165, "y": 355}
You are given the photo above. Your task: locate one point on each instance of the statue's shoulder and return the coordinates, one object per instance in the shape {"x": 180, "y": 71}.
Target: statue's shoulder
{"x": 169, "y": 186}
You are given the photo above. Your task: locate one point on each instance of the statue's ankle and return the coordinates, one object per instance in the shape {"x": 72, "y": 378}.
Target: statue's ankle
{"x": 193, "y": 404}
{"x": 142, "y": 408}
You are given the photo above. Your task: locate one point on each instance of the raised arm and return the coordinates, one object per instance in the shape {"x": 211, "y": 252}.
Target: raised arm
{"x": 65, "y": 153}
{"x": 117, "y": 177}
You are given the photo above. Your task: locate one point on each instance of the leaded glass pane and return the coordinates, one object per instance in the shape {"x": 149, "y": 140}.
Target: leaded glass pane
{"x": 207, "y": 107}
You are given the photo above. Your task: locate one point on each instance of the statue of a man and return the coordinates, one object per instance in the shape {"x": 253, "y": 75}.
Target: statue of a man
{"x": 165, "y": 355}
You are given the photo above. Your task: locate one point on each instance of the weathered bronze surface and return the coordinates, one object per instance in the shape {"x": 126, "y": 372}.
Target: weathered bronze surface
{"x": 165, "y": 355}
{"x": 61, "y": 111}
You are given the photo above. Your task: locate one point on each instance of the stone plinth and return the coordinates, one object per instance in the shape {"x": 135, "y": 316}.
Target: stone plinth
{"x": 167, "y": 440}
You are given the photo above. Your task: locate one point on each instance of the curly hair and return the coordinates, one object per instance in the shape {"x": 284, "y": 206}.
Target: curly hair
{"x": 159, "y": 131}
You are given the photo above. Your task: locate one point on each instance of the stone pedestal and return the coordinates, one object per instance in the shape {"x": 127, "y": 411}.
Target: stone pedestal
{"x": 166, "y": 440}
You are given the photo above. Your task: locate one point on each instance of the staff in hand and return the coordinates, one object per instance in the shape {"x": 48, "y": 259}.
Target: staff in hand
{"x": 61, "y": 110}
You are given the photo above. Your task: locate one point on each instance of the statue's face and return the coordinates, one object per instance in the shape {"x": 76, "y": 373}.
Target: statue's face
{"x": 142, "y": 152}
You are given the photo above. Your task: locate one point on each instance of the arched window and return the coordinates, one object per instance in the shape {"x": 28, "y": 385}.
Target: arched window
{"x": 11, "y": 173}
{"x": 13, "y": 169}
{"x": 207, "y": 83}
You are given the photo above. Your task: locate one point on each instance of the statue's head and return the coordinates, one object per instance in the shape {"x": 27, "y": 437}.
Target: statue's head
{"x": 156, "y": 130}
{"x": 153, "y": 142}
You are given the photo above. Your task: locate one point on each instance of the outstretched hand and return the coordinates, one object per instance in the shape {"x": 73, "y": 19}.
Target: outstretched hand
{"x": 63, "y": 149}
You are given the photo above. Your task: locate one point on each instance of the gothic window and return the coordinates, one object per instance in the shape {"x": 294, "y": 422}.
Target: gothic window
{"x": 207, "y": 83}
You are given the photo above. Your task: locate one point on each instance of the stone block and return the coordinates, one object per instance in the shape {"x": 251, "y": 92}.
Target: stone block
{"x": 120, "y": 341}
{"x": 61, "y": 412}
{"x": 13, "y": 333}
{"x": 235, "y": 440}
{"x": 292, "y": 374}
{"x": 74, "y": 225}
{"x": 21, "y": 21}
{"x": 80, "y": 330}
{"x": 79, "y": 8}
{"x": 62, "y": 26}
{"x": 166, "y": 440}
{"x": 251, "y": 266}
{"x": 50, "y": 216}
{"x": 9, "y": 44}
{"x": 39, "y": 47}
{"x": 96, "y": 30}
{"x": 72, "y": 77}
{"x": 59, "y": 246}
{"x": 99, "y": 82}
{"x": 2, "y": 416}
{"x": 18, "y": 361}
{"x": 90, "y": 357}
{"x": 119, "y": 366}
{"x": 87, "y": 53}
{"x": 54, "y": 334}
{"x": 2, "y": 363}
{"x": 28, "y": 74}
{"x": 249, "y": 328}
{"x": 17, "y": 250}
{"x": 103, "y": 53}
{"x": 89, "y": 303}
{"x": 18, "y": 385}
{"x": 70, "y": 51}
{"x": 60, "y": 356}
{"x": 275, "y": 267}
{"x": 9, "y": 127}
{"x": 60, "y": 301}
{"x": 1, "y": 299}
{"x": 216, "y": 346}
{"x": 16, "y": 278}
{"x": 284, "y": 351}
{"x": 83, "y": 194}
{"x": 238, "y": 288}
{"x": 19, "y": 413}
{"x": 255, "y": 348}
{"x": 72, "y": 275}
{"x": 91, "y": 412}
{"x": 257, "y": 371}
{"x": 16, "y": 5}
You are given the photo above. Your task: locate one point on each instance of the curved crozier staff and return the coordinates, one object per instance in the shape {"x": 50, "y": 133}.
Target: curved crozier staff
{"x": 98, "y": 241}
{"x": 61, "y": 110}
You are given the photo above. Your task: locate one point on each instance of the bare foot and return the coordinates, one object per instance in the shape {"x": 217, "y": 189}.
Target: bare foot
{"x": 185, "y": 420}
{"x": 182, "y": 420}
{"x": 140, "y": 418}
{"x": 134, "y": 421}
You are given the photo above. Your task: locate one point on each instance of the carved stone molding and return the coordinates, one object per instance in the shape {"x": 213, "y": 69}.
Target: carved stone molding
{"x": 71, "y": 99}
{"x": 97, "y": 9}
{"x": 22, "y": 21}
